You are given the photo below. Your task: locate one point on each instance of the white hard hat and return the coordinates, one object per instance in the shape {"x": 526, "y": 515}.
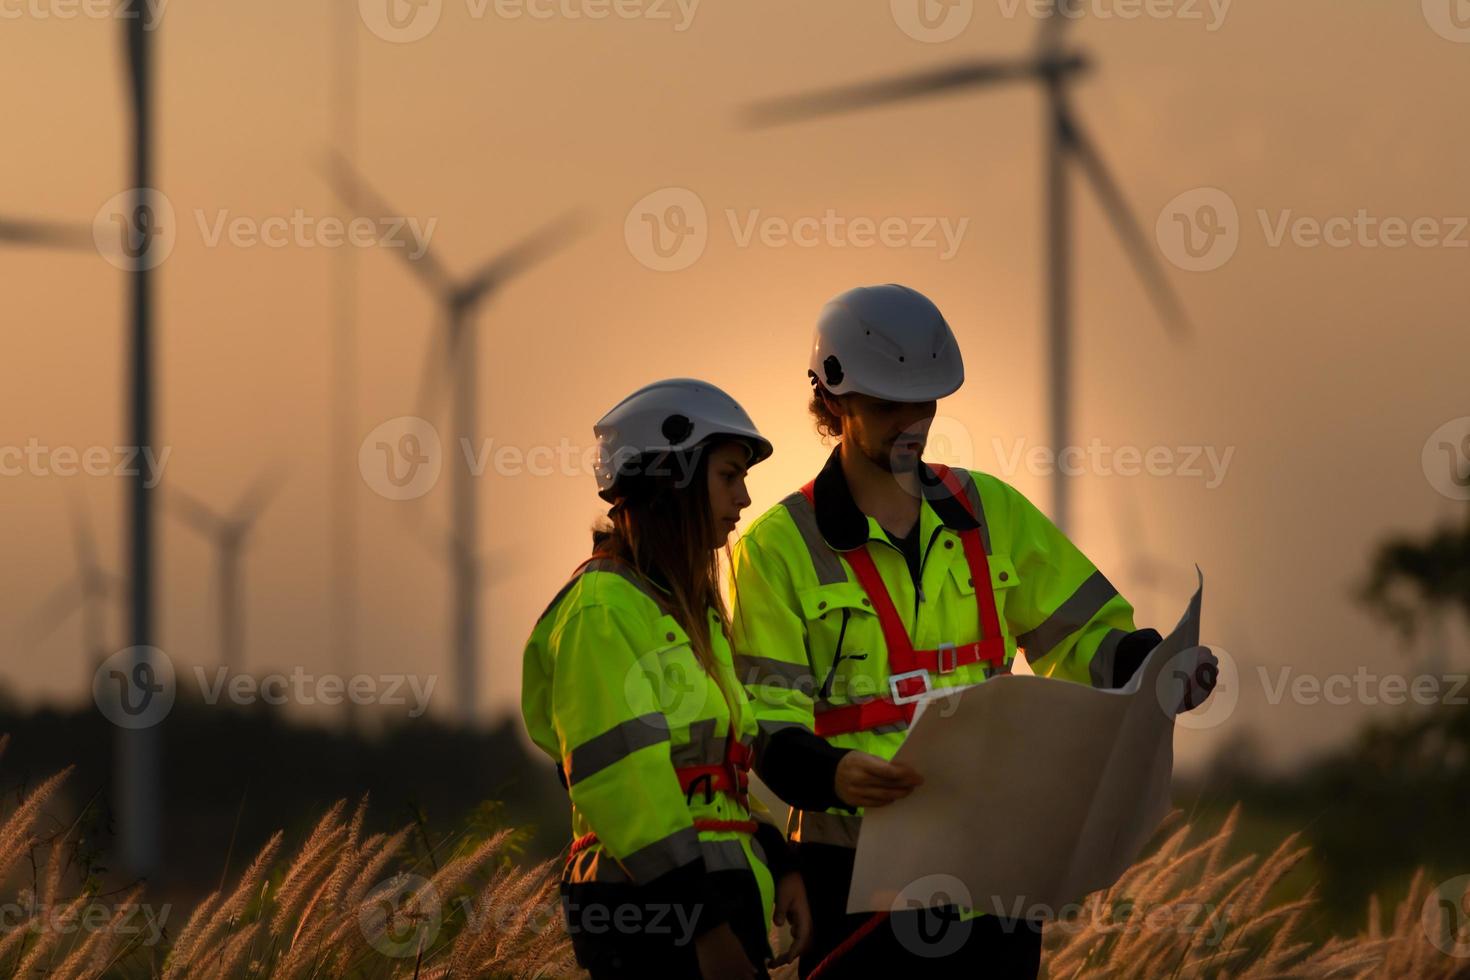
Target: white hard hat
{"x": 668, "y": 416}
{"x": 890, "y": 342}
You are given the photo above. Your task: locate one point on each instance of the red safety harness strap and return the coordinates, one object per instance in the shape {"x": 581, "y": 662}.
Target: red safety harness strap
{"x": 910, "y": 669}
{"x": 731, "y": 776}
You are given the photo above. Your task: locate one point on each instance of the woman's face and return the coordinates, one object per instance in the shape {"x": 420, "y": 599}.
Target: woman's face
{"x": 727, "y": 496}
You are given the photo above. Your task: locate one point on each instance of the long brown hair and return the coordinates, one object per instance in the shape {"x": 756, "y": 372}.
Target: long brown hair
{"x": 664, "y": 529}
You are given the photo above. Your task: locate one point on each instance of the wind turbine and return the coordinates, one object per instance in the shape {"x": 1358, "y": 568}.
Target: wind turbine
{"x": 88, "y": 591}
{"x": 1068, "y": 145}
{"x": 139, "y": 780}
{"x": 342, "y": 478}
{"x": 456, "y": 346}
{"x": 230, "y": 533}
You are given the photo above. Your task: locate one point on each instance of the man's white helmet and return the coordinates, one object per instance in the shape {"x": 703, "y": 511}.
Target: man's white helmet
{"x": 667, "y": 416}
{"x": 890, "y": 342}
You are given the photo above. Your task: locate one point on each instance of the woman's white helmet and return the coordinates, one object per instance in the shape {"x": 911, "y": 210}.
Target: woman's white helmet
{"x": 890, "y": 342}
{"x": 669, "y": 416}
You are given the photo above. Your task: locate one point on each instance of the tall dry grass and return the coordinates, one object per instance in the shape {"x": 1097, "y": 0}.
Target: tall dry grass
{"x": 350, "y": 904}
{"x": 345, "y": 904}
{"x": 1182, "y": 912}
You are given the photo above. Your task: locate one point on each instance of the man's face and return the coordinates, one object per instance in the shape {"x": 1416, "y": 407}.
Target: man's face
{"x": 891, "y": 435}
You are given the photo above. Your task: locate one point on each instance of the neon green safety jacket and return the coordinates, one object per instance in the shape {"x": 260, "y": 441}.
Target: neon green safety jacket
{"x": 611, "y": 690}
{"x": 808, "y": 640}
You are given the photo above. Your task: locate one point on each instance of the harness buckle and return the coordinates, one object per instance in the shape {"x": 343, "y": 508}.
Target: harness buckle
{"x": 954, "y": 658}
{"x": 896, "y": 679}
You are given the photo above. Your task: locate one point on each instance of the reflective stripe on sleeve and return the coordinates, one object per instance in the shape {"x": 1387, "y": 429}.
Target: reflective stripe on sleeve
{"x": 1069, "y": 617}
{"x": 618, "y": 742}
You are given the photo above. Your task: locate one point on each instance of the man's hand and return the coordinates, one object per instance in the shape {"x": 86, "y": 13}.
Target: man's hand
{"x": 791, "y": 908}
{"x": 721, "y": 957}
{"x": 1200, "y": 670}
{"x": 866, "y": 780}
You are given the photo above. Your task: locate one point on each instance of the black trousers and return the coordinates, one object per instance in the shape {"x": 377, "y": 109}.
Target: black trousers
{"x": 623, "y": 931}
{"x": 916, "y": 943}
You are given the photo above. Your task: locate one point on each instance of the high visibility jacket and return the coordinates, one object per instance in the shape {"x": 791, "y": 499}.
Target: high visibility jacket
{"x": 809, "y": 643}
{"x": 611, "y": 691}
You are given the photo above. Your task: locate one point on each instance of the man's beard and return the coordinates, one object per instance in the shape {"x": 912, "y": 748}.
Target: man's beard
{"x": 896, "y": 461}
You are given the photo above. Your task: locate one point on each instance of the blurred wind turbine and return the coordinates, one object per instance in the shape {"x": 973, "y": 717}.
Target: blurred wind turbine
{"x": 230, "y": 534}
{"x": 343, "y": 456}
{"x": 1067, "y": 144}
{"x": 455, "y": 347}
{"x": 138, "y": 783}
{"x": 46, "y": 234}
{"x": 89, "y": 591}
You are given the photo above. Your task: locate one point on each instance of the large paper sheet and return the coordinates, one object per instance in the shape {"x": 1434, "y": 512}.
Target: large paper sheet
{"x": 1036, "y": 791}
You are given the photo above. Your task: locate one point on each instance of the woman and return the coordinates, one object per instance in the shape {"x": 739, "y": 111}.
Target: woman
{"x": 628, "y": 685}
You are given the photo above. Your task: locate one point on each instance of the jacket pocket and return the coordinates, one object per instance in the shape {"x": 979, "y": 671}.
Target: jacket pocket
{"x": 844, "y": 642}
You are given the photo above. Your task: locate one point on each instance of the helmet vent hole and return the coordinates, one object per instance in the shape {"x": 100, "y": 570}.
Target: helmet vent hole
{"x": 833, "y": 369}
{"x": 677, "y": 428}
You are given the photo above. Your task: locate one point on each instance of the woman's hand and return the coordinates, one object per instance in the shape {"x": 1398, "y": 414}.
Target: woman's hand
{"x": 791, "y": 908}
{"x": 721, "y": 957}
{"x": 866, "y": 780}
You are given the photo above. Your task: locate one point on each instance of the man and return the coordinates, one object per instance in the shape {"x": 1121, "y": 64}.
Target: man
{"x": 885, "y": 578}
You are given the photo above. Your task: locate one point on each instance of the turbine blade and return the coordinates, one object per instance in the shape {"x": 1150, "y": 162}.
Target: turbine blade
{"x": 53, "y": 611}
{"x": 46, "y": 234}
{"x": 260, "y": 494}
{"x": 191, "y": 510}
{"x": 82, "y": 538}
{"x": 1115, "y": 205}
{"x": 363, "y": 201}
{"x": 535, "y": 247}
{"x": 433, "y": 379}
{"x": 863, "y": 95}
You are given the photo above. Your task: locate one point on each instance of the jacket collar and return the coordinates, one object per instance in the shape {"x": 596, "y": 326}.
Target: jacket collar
{"x": 845, "y": 527}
